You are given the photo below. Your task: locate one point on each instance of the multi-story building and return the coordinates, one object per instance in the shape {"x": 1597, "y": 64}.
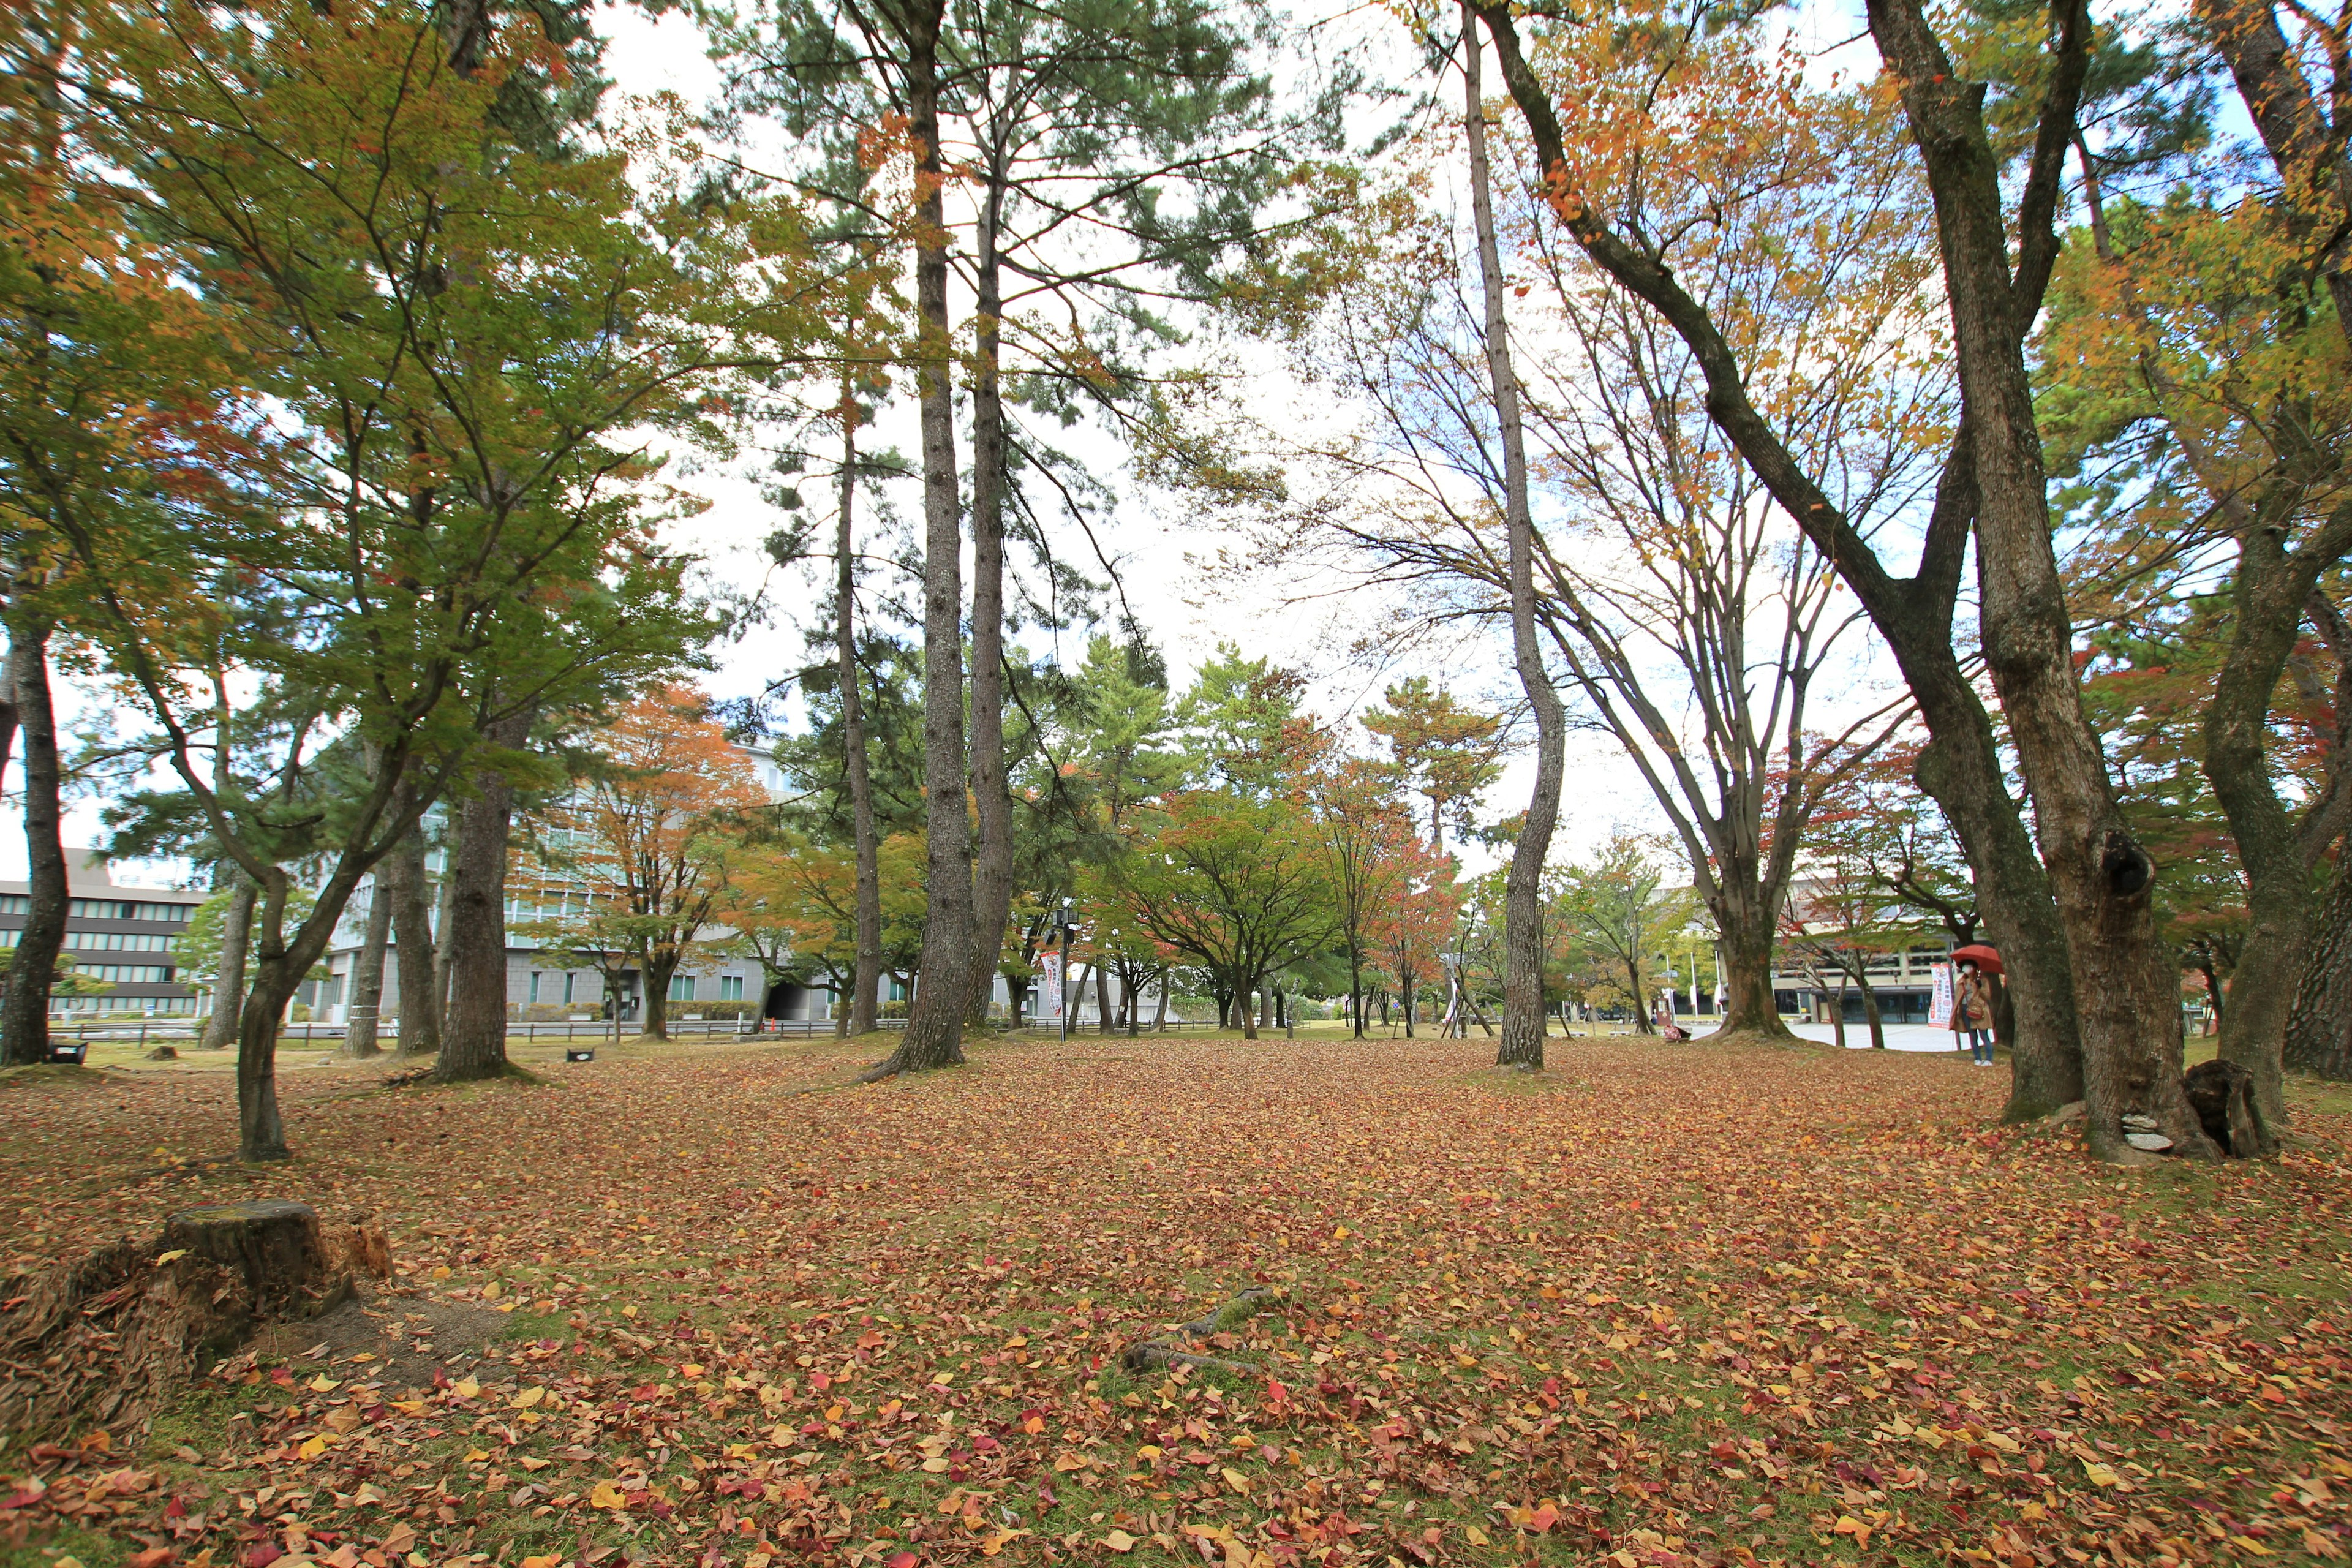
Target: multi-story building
{"x": 1901, "y": 973}
{"x": 120, "y": 936}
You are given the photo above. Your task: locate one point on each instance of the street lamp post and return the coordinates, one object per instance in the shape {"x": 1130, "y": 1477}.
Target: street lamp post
{"x": 1063, "y": 922}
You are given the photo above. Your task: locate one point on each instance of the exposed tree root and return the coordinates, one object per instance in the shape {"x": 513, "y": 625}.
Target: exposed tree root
{"x": 1166, "y": 1352}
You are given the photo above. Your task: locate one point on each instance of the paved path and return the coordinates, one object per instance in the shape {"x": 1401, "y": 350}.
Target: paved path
{"x": 1899, "y": 1036}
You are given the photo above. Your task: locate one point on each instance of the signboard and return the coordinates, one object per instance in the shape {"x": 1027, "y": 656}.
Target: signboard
{"x": 1049, "y": 989}
{"x": 1939, "y": 1003}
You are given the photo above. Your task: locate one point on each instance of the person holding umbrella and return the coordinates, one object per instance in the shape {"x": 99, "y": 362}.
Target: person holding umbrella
{"x": 1972, "y": 1000}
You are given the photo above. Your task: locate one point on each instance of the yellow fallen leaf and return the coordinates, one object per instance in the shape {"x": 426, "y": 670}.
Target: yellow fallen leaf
{"x": 553, "y": 1560}
{"x": 1340, "y": 1233}
{"x": 1120, "y": 1540}
{"x": 311, "y": 1449}
{"x": 936, "y": 1467}
{"x": 1849, "y": 1525}
{"x": 1236, "y": 1479}
{"x": 465, "y": 1388}
{"x": 490, "y": 1291}
{"x": 529, "y": 1397}
{"x": 2101, "y": 1475}
{"x": 1477, "y": 1536}
{"x": 604, "y": 1494}
{"x": 163, "y": 1258}
{"x": 2243, "y": 1544}
{"x": 322, "y": 1384}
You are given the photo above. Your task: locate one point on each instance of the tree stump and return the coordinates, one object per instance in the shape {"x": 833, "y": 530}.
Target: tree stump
{"x": 2223, "y": 1094}
{"x": 272, "y": 1244}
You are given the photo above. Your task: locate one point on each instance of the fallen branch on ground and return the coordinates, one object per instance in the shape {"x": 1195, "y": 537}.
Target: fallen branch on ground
{"x": 1165, "y": 1351}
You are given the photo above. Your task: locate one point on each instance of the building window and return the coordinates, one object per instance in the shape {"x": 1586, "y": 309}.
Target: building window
{"x": 125, "y": 974}
{"x": 568, "y": 978}
{"x": 731, "y": 988}
{"x": 681, "y": 987}
{"x": 534, "y": 987}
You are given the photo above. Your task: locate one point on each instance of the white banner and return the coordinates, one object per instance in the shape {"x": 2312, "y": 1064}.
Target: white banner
{"x": 1049, "y": 988}
{"x": 1939, "y": 1004}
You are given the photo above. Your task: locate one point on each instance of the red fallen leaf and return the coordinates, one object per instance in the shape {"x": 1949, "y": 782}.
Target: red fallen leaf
{"x": 153, "y": 1557}
{"x": 25, "y": 1499}
{"x": 262, "y": 1555}
{"x": 175, "y": 1509}
{"x": 901, "y": 1560}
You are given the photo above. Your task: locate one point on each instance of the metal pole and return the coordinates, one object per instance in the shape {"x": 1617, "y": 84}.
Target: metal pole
{"x": 1062, "y": 1003}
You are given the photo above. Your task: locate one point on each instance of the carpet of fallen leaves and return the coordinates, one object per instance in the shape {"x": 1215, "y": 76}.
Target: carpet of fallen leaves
{"x": 1664, "y": 1305}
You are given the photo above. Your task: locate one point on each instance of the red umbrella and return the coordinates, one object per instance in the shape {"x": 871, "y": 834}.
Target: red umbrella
{"x": 1980, "y": 955}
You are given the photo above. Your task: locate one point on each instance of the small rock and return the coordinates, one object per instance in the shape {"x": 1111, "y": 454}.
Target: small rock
{"x": 164, "y": 1054}
{"x": 2137, "y": 1121}
{"x": 2155, "y": 1143}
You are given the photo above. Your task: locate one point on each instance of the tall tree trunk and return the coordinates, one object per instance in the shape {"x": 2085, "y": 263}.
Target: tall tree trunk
{"x": 1745, "y": 925}
{"x": 2126, "y": 986}
{"x": 1837, "y": 1015}
{"x": 32, "y": 967}
{"x": 1962, "y": 768}
{"x": 1641, "y": 1024}
{"x": 2319, "y": 1025}
{"x": 360, "y": 1019}
{"x": 860, "y": 1016}
{"x": 1244, "y": 1008}
{"x": 474, "y": 1030}
{"x": 992, "y": 794}
{"x": 1102, "y": 1000}
{"x": 2269, "y": 590}
{"x": 1870, "y": 1013}
{"x": 228, "y": 979}
{"x": 277, "y": 975}
{"x": 934, "y": 1032}
{"x": 1522, "y": 1044}
{"x": 419, "y": 1032}
{"x": 1160, "y": 1007}
{"x": 661, "y": 967}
